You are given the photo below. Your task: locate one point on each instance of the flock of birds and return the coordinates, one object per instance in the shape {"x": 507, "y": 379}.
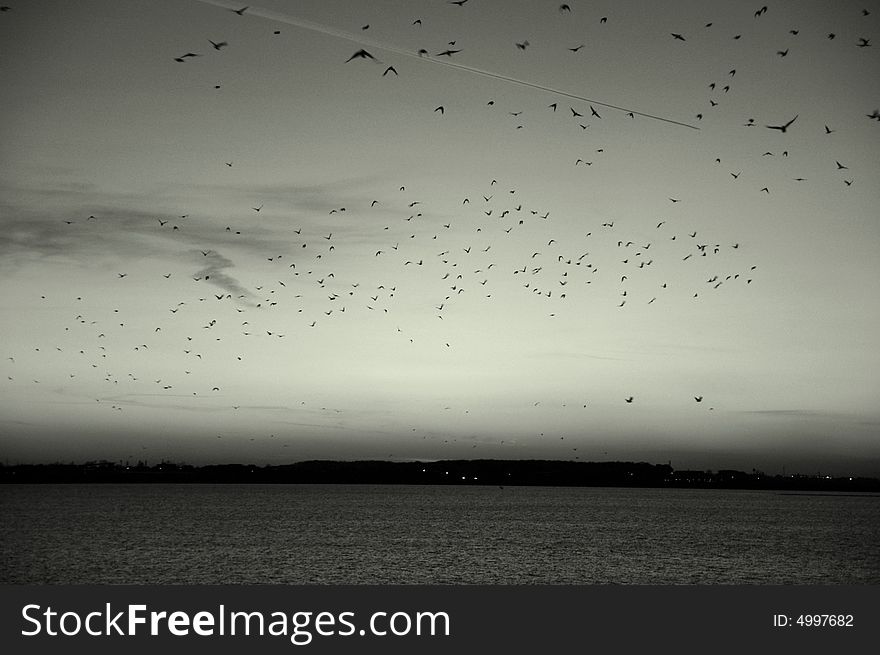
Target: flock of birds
{"x": 495, "y": 244}
{"x": 581, "y": 115}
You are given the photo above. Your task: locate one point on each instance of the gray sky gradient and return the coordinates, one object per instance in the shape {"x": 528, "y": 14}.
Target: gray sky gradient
{"x": 149, "y": 311}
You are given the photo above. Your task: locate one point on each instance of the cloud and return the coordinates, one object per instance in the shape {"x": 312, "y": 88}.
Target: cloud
{"x": 816, "y": 415}
{"x": 568, "y": 355}
{"x": 213, "y": 273}
{"x": 796, "y": 413}
{"x": 72, "y": 219}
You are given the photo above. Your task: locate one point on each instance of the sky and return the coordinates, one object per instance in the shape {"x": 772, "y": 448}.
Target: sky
{"x": 575, "y": 235}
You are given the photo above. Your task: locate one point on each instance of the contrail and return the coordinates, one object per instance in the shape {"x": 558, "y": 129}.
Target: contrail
{"x": 360, "y": 40}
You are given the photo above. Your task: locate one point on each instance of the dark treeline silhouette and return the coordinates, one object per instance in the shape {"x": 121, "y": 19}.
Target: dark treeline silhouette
{"x": 448, "y": 472}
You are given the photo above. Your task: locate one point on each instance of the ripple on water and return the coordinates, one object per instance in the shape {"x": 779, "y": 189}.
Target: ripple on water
{"x": 314, "y": 534}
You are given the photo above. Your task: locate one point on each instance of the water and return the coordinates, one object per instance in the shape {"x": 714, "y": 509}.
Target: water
{"x": 315, "y": 534}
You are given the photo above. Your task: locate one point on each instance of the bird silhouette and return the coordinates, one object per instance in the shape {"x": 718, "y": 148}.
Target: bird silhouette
{"x": 361, "y": 54}
{"x": 217, "y": 46}
{"x": 240, "y": 12}
{"x": 783, "y": 128}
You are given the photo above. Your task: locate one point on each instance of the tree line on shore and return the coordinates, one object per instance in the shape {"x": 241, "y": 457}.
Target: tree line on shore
{"x": 445, "y": 472}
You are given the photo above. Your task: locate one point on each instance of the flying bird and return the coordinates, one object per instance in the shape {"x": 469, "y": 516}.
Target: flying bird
{"x": 782, "y": 128}
{"x": 240, "y": 12}
{"x": 217, "y": 46}
{"x": 361, "y": 54}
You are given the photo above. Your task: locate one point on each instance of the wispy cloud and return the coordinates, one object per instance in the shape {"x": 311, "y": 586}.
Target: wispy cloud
{"x": 814, "y": 415}
{"x": 214, "y": 273}
{"x": 74, "y": 219}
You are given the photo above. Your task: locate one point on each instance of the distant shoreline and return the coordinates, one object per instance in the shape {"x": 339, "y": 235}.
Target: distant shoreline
{"x": 482, "y": 472}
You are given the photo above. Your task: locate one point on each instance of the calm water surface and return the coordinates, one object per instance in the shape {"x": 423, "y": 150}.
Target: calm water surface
{"x": 314, "y": 534}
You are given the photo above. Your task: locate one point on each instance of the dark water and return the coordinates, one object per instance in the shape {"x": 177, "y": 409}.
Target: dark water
{"x": 296, "y": 534}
